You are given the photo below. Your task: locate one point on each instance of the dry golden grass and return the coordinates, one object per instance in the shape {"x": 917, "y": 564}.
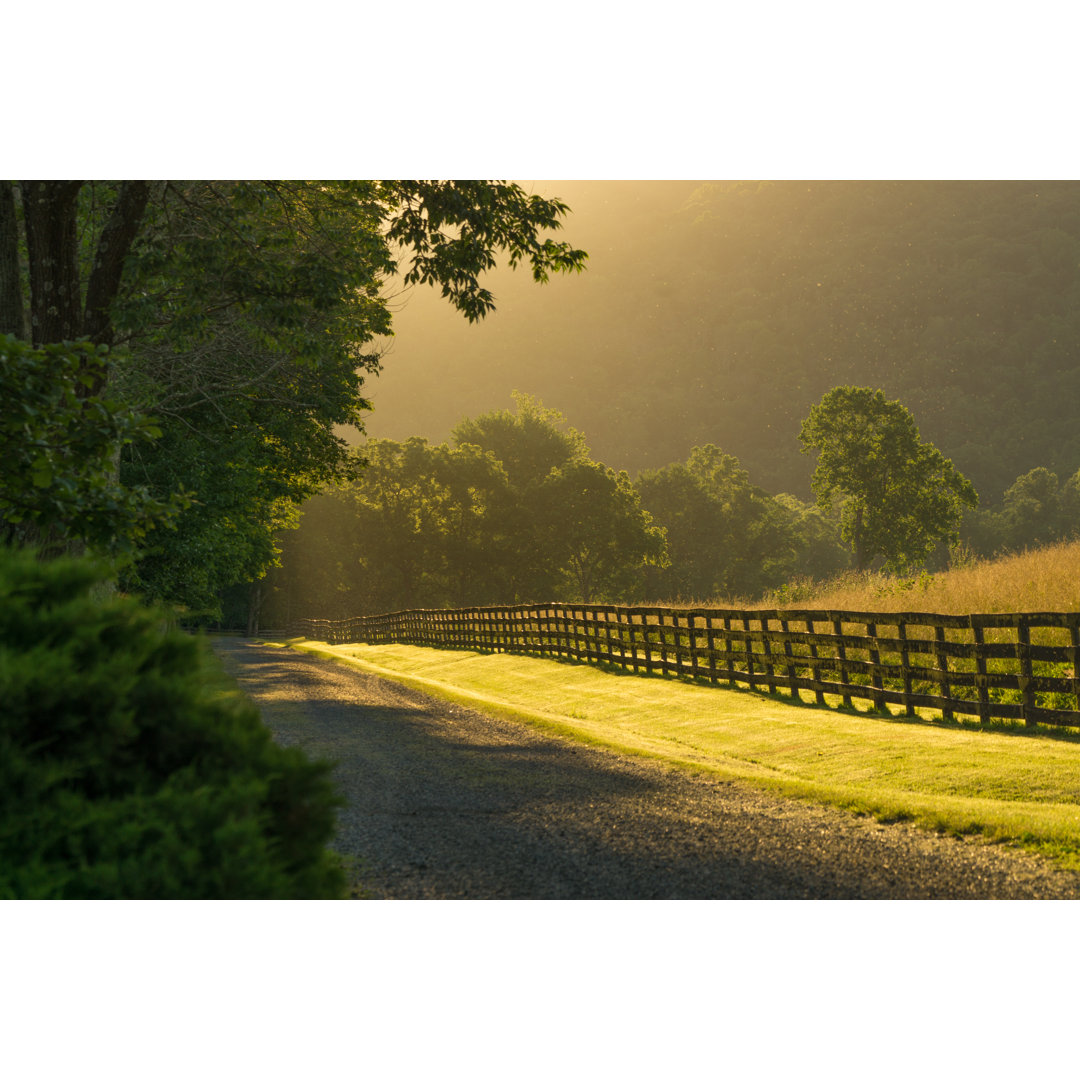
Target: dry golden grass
{"x": 1046, "y": 579}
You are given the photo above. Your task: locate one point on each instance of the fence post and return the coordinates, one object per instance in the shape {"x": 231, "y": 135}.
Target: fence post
{"x": 729, "y": 652}
{"x": 943, "y": 669}
{"x": 841, "y": 656}
{"x": 1023, "y": 648}
{"x": 905, "y": 666}
{"x": 748, "y": 644}
{"x": 661, "y": 642}
{"x": 875, "y": 677}
{"x": 790, "y": 668}
{"x": 980, "y": 671}
{"x": 1074, "y": 638}
{"x": 766, "y": 648}
{"x": 646, "y": 630}
{"x": 819, "y": 694}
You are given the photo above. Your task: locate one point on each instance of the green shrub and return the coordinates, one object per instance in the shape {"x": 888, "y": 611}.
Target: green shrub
{"x": 126, "y": 774}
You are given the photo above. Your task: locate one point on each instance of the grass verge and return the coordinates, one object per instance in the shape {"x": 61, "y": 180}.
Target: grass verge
{"x": 999, "y": 782}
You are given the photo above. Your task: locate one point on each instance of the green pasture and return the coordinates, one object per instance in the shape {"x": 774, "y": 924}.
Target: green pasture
{"x": 1002, "y": 782}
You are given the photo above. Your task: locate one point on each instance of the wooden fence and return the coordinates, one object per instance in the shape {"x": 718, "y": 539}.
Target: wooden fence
{"x": 1008, "y": 666}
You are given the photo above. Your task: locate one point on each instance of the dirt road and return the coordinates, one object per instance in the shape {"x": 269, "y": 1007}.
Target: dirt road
{"x": 446, "y": 803}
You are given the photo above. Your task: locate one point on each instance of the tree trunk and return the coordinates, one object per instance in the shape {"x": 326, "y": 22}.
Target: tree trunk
{"x": 113, "y": 246}
{"x": 861, "y": 556}
{"x": 254, "y": 607}
{"x": 12, "y": 316}
{"x": 49, "y": 213}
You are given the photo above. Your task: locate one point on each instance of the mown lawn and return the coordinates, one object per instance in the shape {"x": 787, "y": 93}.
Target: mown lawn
{"x": 1005, "y": 783}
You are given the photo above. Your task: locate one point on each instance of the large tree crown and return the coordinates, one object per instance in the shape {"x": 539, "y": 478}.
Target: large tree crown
{"x": 900, "y": 495}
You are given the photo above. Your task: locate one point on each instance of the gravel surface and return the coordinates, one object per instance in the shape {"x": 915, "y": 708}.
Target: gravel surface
{"x": 446, "y": 803}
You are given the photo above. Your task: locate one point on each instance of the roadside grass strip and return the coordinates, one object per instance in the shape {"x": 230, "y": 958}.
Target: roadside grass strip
{"x": 1000, "y": 782}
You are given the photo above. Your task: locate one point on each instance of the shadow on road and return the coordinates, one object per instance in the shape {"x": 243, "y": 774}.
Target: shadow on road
{"x": 443, "y": 802}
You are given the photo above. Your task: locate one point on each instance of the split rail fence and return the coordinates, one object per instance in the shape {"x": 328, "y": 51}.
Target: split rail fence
{"x": 1003, "y": 666}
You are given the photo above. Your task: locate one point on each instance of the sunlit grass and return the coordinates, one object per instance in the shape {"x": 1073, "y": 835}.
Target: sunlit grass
{"x": 964, "y": 778}
{"x": 1045, "y": 579}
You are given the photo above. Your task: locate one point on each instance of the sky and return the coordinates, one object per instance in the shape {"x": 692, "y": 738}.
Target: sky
{"x": 438, "y": 368}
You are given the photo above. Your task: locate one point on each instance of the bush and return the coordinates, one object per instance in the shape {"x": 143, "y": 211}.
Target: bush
{"x": 124, "y": 772}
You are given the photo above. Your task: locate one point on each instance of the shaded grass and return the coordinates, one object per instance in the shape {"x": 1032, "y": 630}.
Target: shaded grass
{"x": 998, "y": 781}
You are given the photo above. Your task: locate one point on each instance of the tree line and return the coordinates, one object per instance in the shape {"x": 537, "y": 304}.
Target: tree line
{"x": 514, "y": 509}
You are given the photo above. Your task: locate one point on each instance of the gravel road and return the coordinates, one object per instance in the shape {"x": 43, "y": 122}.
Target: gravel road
{"x": 446, "y": 803}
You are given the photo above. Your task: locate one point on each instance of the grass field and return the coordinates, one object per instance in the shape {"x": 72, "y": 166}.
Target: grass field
{"x": 1044, "y": 579}
{"x": 1000, "y": 782}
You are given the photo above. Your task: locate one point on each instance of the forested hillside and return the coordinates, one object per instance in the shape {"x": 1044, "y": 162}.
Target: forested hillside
{"x": 719, "y": 313}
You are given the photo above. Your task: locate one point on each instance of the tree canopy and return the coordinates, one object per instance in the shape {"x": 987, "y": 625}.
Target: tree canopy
{"x": 726, "y": 536}
{"x": 58, "y": 445}
{"x": 241, "y": 316}
{"x": 515, "y": 511}
{"x": 900, "y": 496}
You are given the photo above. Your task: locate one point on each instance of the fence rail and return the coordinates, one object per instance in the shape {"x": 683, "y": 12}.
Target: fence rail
{"x": 1007, "y": 666}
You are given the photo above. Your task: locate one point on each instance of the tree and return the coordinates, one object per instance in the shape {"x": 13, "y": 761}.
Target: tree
{"x": 595, "y": 527}
{"x": 1033, "y": 511}
{"x": 274, "y": 247}
{"x": 395, "y": 513}
{"x": 457, "y": 525}
{"x": 529, "y": 444}
{"x": 1070, "y": 505}
{"x": 900, "y": 496}
{"x": 711, "y": 513}
{"x": 727, "y": 537}
{"x": 247, "y": 310}
{"x": 475, "y": 521}
{"x": 321, "y": 573}
{"x": 818, "y": 551}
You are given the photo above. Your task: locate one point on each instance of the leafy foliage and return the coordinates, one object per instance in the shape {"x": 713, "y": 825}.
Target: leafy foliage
{"x": 518, "y": 511}
{"x": 530, "y": 442}
{"x": 452, "y": 229}
{"x": 248, "y": 309}
{"x": 58, "y": 446}
{"x": 1036, "y": 509}
{"x": 899, "y": 495}
{"x": 727, "y": 537}
{"x": 430, "y": 526}
{"x": 124, "y": 775}
{"x": 593, "y": 525}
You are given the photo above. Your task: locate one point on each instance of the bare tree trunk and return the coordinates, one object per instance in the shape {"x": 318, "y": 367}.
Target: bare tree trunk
{"x": 12, "y": 314}
{"x": 255, "y": 598}
{"x": 49, "y": 213}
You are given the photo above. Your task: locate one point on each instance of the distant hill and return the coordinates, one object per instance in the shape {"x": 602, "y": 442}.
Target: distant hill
{"x": 721, "y": 312}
